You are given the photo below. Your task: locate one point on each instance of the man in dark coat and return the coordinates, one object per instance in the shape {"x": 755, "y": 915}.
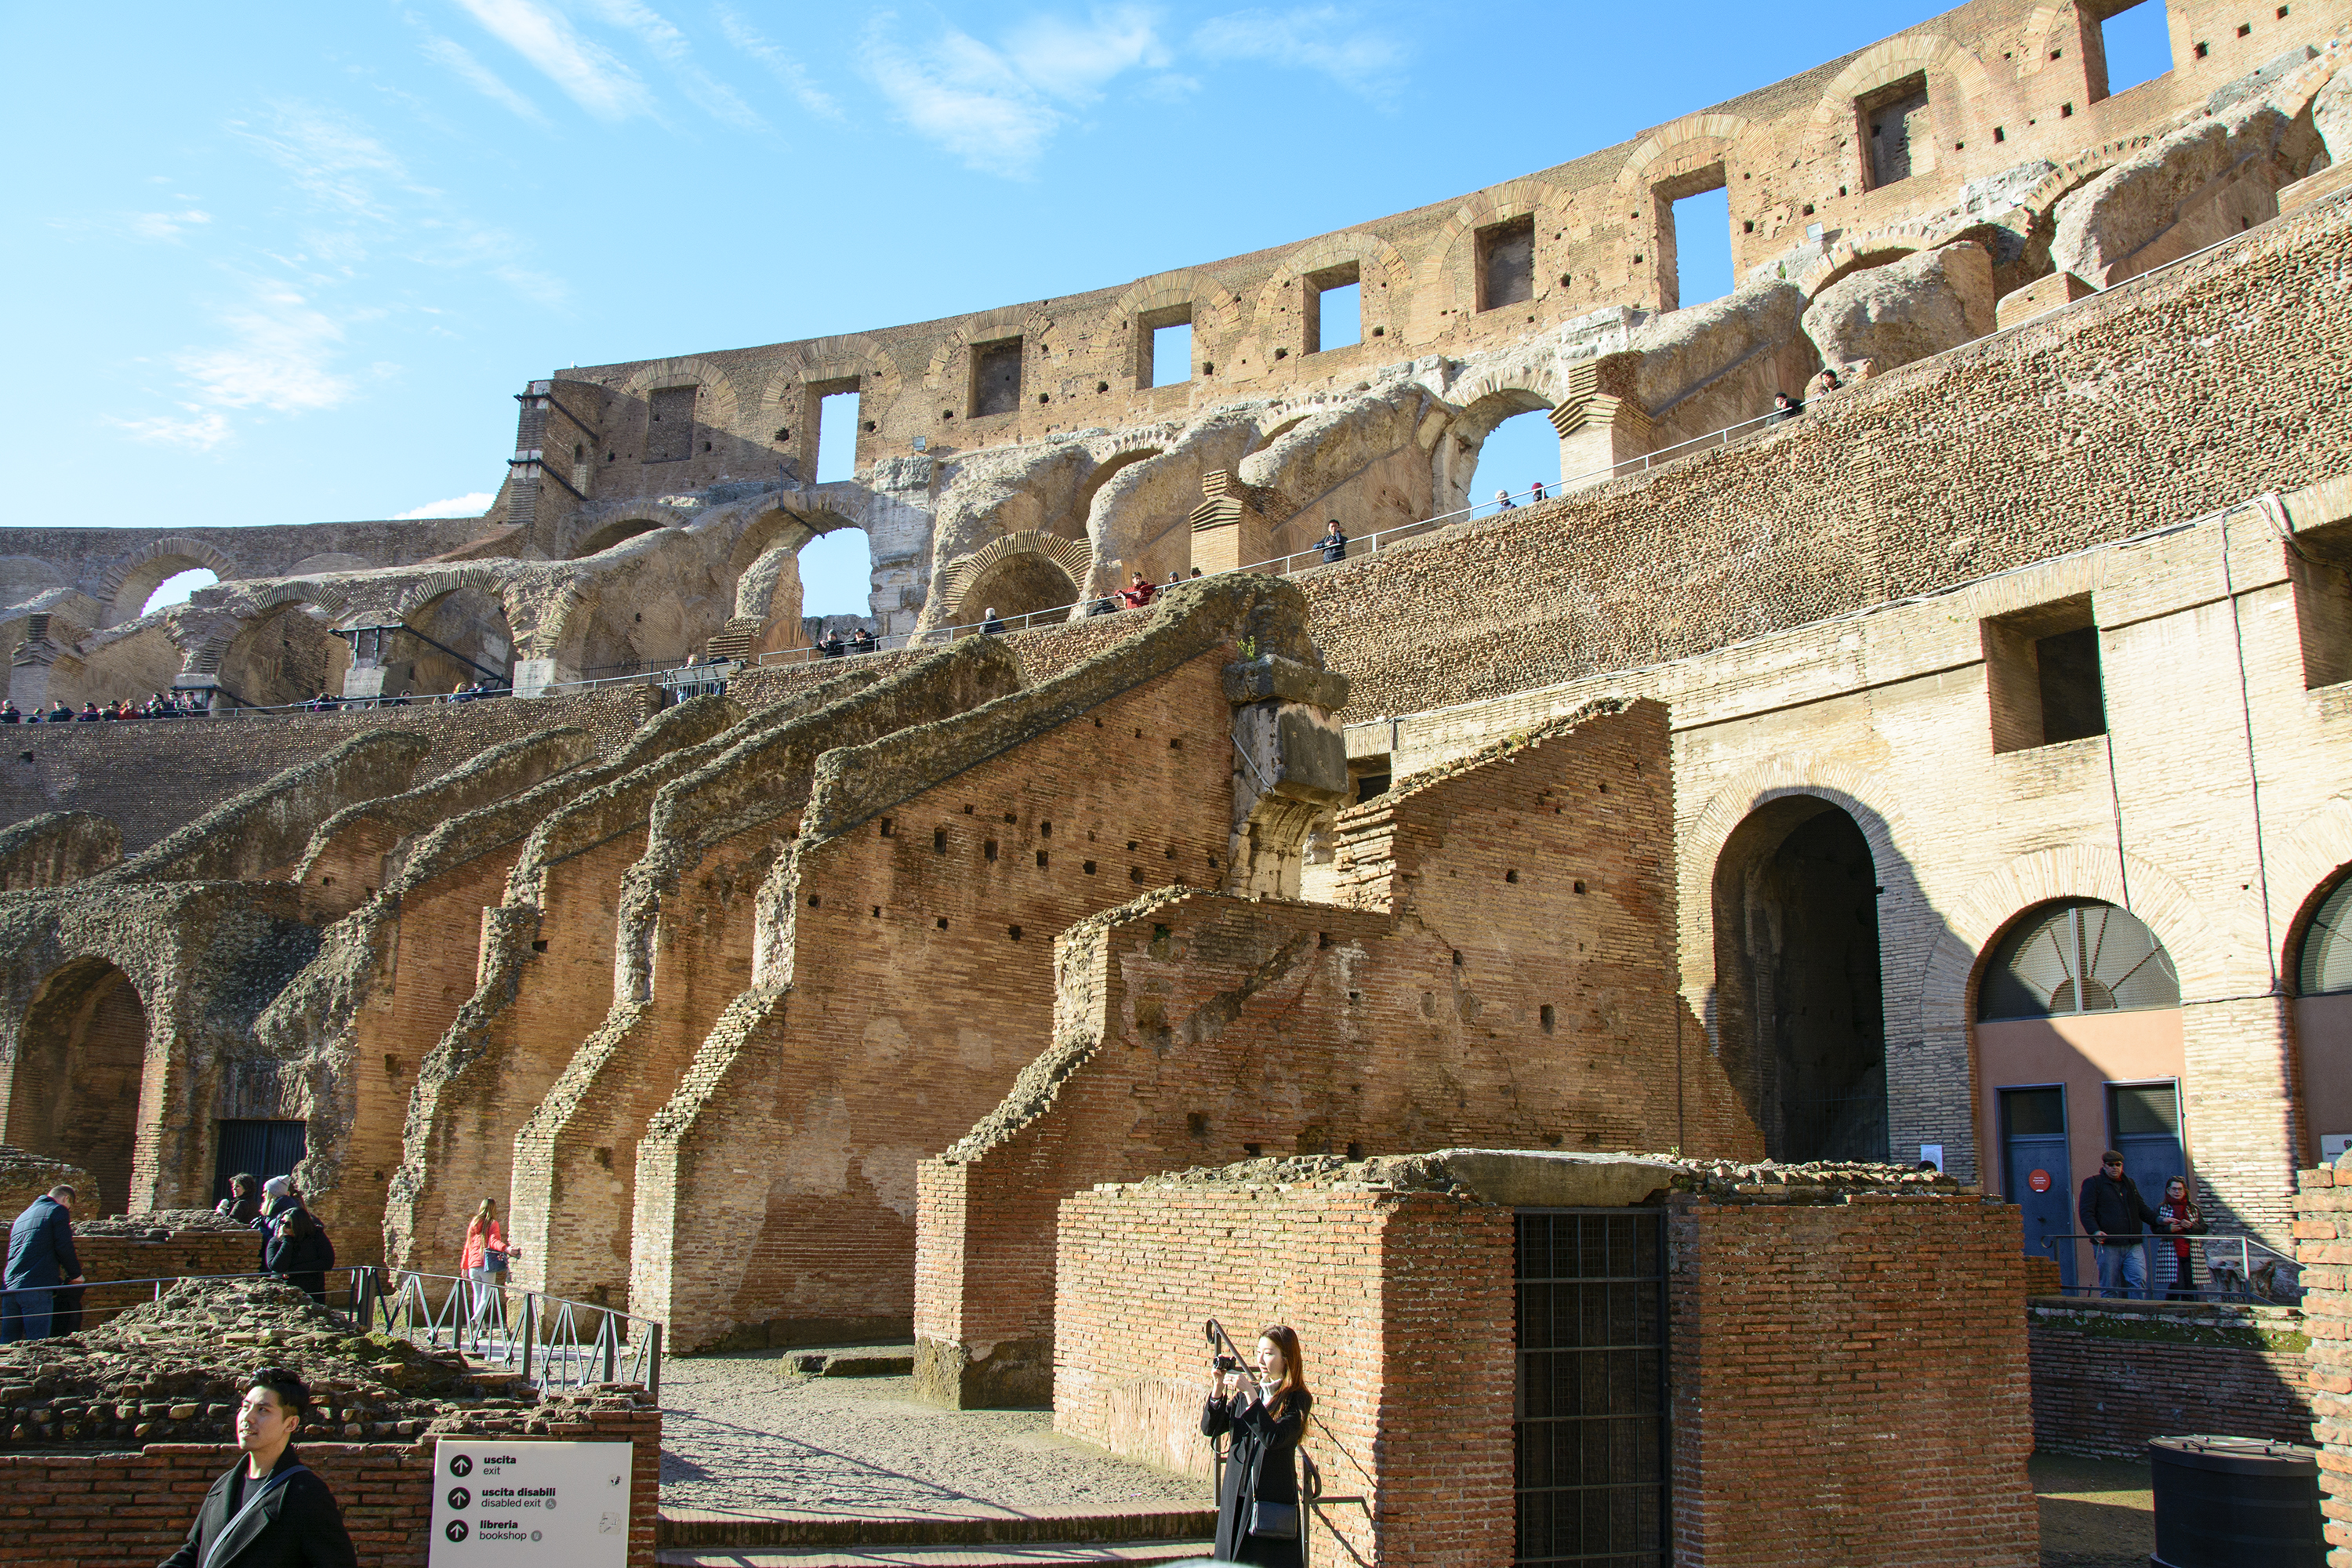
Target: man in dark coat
{"x": 40, "y": 1258}
{"x": 269, "y": 1510}
{"x": 2112, "y": 1212}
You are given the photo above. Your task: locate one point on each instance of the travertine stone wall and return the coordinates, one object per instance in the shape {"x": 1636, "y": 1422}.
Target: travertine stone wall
{"x": 1507, "y": 979}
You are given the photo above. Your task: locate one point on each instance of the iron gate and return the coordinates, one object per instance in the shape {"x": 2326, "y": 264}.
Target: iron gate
{"x": 1589, "y": 1426}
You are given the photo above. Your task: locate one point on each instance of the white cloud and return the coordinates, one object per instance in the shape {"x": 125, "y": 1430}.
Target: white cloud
{"x": 995, "y": 108}
{"x": 331, "y": 158}
{"x": 278, "y": 357}
{"x": 473, "y": 505}
{"x": 747, "y": 39}
{"x": 1074, "y": 62}
{"x": 461, "y": 63}
{"x": 165, "y": 226}
{"x": 1319, "y": 37}
{"x": 201, "y": 430}
{"x": 588, "y": 73}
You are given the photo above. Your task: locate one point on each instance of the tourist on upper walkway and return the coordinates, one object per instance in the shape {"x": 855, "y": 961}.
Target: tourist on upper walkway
{"x": 1196, "y": 571}
{"x": 1106, "y": 606}
{"x": 243, "y": 1204}
{"x": 1136, "y": 593}
{"x": 1503, "y": 501}
{"x": 2113, "y": 1213}
{"x": 2178, "y": 1214}
{"x": 89, "y": 714}
{"x": 1826, "y": 382}
{"x": 1536, "y": 491}
{"x": 990, "y": 626}
{"x": 8, "y": 714}
{"x": 59, "y": 714}
{"x": 866, "y": 641}
{"x": 40, "y": 1258}
{"x": 269, "y": 1510}
{"x": 299, "y": 1253}
{"x": 1335, "y": 542}
{"x": 1258, "y": 1514}
{"x": 483, "y": 1259}
{"x": 832, "y": 646}
{"x": 1784, "y": 408}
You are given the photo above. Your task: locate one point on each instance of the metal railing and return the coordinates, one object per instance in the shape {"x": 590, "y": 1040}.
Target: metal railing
{"x": 2235, "y": 1269}
{"x": 552, "y": 1343}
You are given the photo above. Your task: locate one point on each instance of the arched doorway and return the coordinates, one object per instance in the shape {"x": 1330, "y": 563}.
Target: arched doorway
{"x": 1016, "y": 585}
{"x": 2323, "y": 1019}
{"x": 460, "y": 637}
{"x": 1800, "y": 1001}
{"x": 287, "y": 656}
{"x": 82, "y": 1057}
{"x": 2078, "y": 1050}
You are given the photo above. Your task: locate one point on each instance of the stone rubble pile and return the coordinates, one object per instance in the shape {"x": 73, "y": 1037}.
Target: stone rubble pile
{"x": 174, "y": 1370}
{"x": 1764, "y": 1180}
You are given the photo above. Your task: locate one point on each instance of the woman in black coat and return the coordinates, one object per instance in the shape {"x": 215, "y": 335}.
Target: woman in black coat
{"x": 300, "y": 1253}
{"x": 1266, "y": 1421}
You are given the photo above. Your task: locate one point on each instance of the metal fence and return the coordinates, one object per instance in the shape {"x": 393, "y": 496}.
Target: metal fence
{"x": 554, "y": 1344}
{"x": 2217, "y": 1269}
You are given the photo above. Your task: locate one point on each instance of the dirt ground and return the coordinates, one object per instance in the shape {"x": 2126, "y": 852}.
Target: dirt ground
{"x": 2095, "y": 1513}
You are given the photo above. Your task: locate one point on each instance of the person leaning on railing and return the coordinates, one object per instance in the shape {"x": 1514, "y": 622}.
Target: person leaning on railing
{"x": 1335, "y": 542}
{"x": 2114, "y": 1214}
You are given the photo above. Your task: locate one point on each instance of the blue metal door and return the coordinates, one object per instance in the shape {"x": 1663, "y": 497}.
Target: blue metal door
{"x": 263, "y": 1149}
{"x": 2037, "y": 1172}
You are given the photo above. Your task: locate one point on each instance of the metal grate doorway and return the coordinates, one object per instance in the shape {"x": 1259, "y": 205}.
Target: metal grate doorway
{"x": 1589, "y": 1426}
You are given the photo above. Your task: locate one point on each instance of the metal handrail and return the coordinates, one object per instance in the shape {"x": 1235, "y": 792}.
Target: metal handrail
{"x": 2156, "y": 1290}
{"x": 543, "y": 1341}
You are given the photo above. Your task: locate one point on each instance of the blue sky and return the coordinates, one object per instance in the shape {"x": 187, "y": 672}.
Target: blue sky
{"x": 280, "y": 263}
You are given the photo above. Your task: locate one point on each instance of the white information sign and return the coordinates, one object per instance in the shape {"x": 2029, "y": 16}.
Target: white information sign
{"x": 521, "y": 1505}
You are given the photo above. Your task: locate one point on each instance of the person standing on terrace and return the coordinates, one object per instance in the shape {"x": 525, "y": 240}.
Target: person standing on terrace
{"x": 1335, "y": 542}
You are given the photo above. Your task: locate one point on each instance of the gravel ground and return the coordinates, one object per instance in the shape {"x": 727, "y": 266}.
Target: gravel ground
{"x": 740, "y": 1436}
{"x": 2095, "y": 1513}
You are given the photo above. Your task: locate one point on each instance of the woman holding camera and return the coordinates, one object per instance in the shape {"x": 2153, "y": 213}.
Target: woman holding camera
{"x": 1258, "y": 1516}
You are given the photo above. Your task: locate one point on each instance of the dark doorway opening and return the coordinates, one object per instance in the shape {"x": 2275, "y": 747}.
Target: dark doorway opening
{"x": 79, "y": 1065}
{"x": 258, "y": 1149}
{"x": 1803, "y": 1015}
{"x": 1589, "y": 1430}
{"x": 2038, "y": 1171}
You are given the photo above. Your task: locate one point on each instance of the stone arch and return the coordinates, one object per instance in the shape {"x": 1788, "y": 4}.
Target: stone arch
{"x": 330, "y": 600}
{"x": 1038, "y": 555}
{"x": 620, "y": 530}
{"x": 716, "y": 408}
{"x": 1216, "y": 309}
{"x": 1861, "y": 252}
{"x": 277, "y": 655}
{"x": 2309, "y": 859}
{"x": 1975, "y": 921}
{"x": 1680, "y": 147}
{"x": 466, "y": 614}
{"x": 1385, "y": 276}
{"x": 1890, "y": 61}
{"x": 76, "y": 1082}
{"x": 838, "y": 358}
{"x": 1073, "y": 524}
{"x": 1032, "y": 327}
{"x": 1444, "y": 284}
{"x": 132, "y": 577}
{"x": 1487, "y": 399}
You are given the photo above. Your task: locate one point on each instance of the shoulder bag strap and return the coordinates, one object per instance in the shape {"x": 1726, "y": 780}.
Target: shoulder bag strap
{"x": 216, "y": 1551}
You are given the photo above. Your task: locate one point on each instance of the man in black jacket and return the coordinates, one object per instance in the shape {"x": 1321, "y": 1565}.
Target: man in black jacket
{"x": 40, "y": 1257}
{"x": 2112, "y": 1212}
{"x": 269, "y": 1510}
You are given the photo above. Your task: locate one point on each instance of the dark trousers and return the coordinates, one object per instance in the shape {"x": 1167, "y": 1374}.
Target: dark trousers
{"x": 24, "y": 1314}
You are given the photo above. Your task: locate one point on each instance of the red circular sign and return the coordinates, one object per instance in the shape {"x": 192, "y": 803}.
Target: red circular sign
{"x": 2039, "y": 1181}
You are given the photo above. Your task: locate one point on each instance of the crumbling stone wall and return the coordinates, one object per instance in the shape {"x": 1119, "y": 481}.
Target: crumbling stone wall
{"x": 1506, "y": 977}
{"x": 906, "y": 940}
{"x": 57, "y": 847}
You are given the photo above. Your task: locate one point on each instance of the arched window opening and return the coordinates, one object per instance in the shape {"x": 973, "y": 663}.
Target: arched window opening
{"x": 1521, "y": 453}
{"x": 176, "y": 588}
{"x": 81, "y": 1061}
{"x": 2077, "y": 956}
{"x": 2326, "y": 968}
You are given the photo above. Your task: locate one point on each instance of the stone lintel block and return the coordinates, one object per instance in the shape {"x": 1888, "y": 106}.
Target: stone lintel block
{"x": 1285, "y": 679}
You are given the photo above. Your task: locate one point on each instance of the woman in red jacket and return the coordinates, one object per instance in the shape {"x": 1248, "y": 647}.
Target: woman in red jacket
{"x": 484, "y": 1260}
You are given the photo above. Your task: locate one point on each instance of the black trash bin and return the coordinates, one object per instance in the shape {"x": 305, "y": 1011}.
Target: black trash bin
{"x": 2228, "y": 1502}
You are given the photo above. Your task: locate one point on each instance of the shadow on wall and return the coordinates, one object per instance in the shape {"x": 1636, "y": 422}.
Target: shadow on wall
{"x": 81, "y": 1058}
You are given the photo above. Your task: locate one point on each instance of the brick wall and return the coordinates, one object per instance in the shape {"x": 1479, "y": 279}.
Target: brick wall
{"x": 151, "y": 777}
{"x": 1403, "y": 1308}
{"x": 2107, "y": 1377}
{"x": 2324, "y": 1248}
{"x": 102, "y": 1510}
{"x": 1849, "y": 1384}
{"x": 1514, "y": 988}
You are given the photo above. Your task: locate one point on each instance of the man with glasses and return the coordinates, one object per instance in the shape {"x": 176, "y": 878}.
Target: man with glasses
{"x": 2112, "y": 1214}
{"x": 269, "y": 1510}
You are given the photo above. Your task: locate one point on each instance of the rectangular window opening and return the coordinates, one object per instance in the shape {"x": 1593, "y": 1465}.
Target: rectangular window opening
{"x": 2042, "y": 675}
{"x": 2320, "y": 567}
{"x": 669, "y": 424}
{"x": 996, "y": 377}
{"x": 1335, "y": 308}
{"x": 1694, "y": 237}
{"x": 1163, "y": 347}
{"x": 836, "y": 433}
{"x": 1895, "y": 136}
{"x": 1507, "y": 263}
